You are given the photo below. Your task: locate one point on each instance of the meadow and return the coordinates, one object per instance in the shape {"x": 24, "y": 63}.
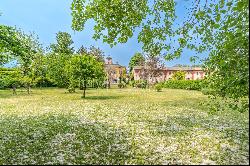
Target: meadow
{"x": 119, "y": 126}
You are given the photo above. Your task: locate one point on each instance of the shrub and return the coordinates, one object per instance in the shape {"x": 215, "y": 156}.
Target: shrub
{"x": 158, "y": 87}
{"x": 139, "y": 83}
{"x": 122, "y": 85}
{"x": 8, "y": 78}
{"x": 184, "y": 84}
{"x": 179, "y": 75}
{"x": 207, "y": 91}
{"x": 144, "y": 84}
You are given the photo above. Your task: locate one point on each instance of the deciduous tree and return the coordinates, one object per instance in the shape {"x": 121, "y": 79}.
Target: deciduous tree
{"x": 84, "y": 68}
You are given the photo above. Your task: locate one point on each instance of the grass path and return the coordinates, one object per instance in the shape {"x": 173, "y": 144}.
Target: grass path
{"x": 119, "y": 126}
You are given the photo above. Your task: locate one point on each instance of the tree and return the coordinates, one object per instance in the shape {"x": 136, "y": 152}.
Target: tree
{"x": 60, "y": 55}
{"x": 179, "y": 75}
{"x": 136, "y": 60}
{"x": 223, "y": 29}
{"x": 84, "y": 68}
{"x": 219, "y": 27}
{"x": 116, "y": 21}
{"x": 11, "y": 44}
{"x": 97, "y": 53}
{"x": 151, "y": 68}
{"x": 15, "y": 44}
{"x": 82, "y": 50}
{"x": 63, "y": 44}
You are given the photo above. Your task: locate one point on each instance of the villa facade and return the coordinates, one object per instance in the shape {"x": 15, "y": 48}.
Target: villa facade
{"x": 114, "y": 70}
{"x": 192, "y": 73}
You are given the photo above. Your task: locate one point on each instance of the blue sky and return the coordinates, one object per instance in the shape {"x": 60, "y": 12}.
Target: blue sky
{"x": 47, "y": 17}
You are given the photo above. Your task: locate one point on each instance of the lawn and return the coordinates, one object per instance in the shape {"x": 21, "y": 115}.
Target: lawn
{"x": 119, "y": 126}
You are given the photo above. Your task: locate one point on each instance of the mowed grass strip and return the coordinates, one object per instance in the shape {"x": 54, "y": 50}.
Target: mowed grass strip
{"x": 119, "y": 126}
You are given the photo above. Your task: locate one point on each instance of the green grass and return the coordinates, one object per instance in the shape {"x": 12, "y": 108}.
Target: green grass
{"x": 119, "y": 126}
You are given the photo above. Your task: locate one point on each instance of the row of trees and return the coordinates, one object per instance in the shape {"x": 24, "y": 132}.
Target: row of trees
{"x": 60, "y": 66}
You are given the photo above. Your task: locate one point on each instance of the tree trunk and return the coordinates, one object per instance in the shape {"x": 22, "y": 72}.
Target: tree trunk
{"x": 14, "y": 90}
{"x": 28, "y": 89}
{"x": 84, "y": 89}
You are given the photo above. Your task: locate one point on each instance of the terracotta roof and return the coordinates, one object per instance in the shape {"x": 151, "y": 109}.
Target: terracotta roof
{"x": 115, "y": 65}
{"x": 184, "y": 68}
{"x": 174, "y": 68}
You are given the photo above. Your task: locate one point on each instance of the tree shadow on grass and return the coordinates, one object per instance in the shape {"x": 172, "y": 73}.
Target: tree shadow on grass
{"x": 102, "y": 97}
{"x": 191, "y": 103}
{"x": 9, "y": 93}
{"x": 60, "y": 139}
{"x": 206, "y": 132}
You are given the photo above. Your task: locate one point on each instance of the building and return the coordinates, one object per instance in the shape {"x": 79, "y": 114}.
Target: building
{"x": 166, "y": 73}
{"x": 114, "y": 71}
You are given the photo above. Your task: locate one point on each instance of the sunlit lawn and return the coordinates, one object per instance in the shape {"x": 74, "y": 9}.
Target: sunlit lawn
{"x": 118, "y": 126}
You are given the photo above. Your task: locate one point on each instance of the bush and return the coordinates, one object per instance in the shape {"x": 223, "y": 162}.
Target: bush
{"x": 122, "y": 85}
{"x": 184, "y": 84}
{"x": 8, "y": 78}
{"x": 139, "y": 83}
{"x": 158, "y": 87}
{"x": 44, "y": 82}
{"x": 207, "y": 91}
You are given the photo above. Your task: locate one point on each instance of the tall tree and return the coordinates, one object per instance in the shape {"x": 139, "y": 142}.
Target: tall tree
{"x": 63, "y": 44}
{"x": 151, "y": 68}
{"x": 15, "y": 44}
{"x": 97, "y": 53}
{"x": 60, "y": 54}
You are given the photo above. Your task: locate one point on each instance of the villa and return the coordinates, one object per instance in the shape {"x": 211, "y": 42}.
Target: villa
{"x": 114, "y": 70}
{"x": 166, "y": 73}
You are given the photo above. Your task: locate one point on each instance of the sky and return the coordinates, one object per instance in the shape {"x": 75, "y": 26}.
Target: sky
{"x": 46, "y": 17}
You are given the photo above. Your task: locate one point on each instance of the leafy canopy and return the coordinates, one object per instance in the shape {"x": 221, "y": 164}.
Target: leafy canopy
{"x": 179, "y": 75}
{"x": 136, "y": 60}
{"x": 63, "y": 44}
{"x": 85, "y": 68}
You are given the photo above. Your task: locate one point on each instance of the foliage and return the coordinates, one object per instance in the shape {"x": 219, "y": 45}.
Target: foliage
{"x": 56, "y": 70}
{"x": 139, "y": 83}
{"x": 158, "y": 87}
{"x": 216, "y": 104}
{"x": 122, "y": 85}
{"x": 116, "y": 21}
{"x": 63, "y": 44}
{"x": 9, "y": 78}
{"x": 96, "y": 52}
{"x": 151, "y": 68}
{"x": 223, "y": 29}
{"x": 184, "y": 84}
{"x": 62, "y": 51}
{"x": 16, "y": 44}
{"x": 136, "y": 60}
{"x": 84, "y": 68}
{"x": 179, "y": 75}
{"x": 39, "y": 69}
{"x": 207, "y": 91}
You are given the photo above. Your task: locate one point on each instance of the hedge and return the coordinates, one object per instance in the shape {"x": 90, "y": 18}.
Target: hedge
{"x": 183, "y": 84}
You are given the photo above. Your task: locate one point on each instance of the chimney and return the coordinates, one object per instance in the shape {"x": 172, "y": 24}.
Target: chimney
{"x": 109, "y": 61}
